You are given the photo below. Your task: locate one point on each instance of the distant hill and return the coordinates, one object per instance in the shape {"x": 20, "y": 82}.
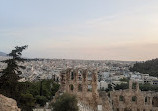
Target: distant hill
{"x": 148, "y": 67}
{"x": 3, "y": 54}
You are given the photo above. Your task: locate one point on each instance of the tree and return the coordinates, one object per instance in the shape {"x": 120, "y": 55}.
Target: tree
{"x": 148, "y": 67}
{"x": 27, "y": 102}
{"x": 121, "y": 86}
{"x": 125, "y": 80}
{"x": 41, "y": 100}
{"x": 65, "y": 102}
{"x": 10, "y": 75}
{"x": 31, "y": 92}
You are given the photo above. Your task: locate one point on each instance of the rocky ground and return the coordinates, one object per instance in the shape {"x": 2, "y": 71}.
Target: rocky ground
{"x": 8, "y": 104}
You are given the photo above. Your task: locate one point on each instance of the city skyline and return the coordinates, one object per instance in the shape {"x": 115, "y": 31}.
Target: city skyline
{"x": 104, "y": 30}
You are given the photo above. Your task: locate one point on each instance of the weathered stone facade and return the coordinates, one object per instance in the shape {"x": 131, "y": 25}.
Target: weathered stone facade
{"x": 134, "y": 99}
{"x": 83, "y": 84}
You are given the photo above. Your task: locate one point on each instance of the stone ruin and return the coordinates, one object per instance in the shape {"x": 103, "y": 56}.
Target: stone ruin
{"x": 133, "y": 99}
{"x": 83, "y": 84}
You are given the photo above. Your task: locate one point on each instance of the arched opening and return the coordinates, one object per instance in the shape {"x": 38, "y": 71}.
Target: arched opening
{"x": 72, "y": 75}
{"x": 133, "y": 85}
{"x": 89, "y": 78}
{"x": 80, "y": 88}
{"x": 155, "y": 102}
{"x": 80, "y": 75}
{"x": 89, "y": 87}
{"x": 121, "y": 98}
{"x": 134, "y": 99}
{"x": 71, "y": 87}
{"x": 147, "y": 100}
{"x": 62, "y": 77}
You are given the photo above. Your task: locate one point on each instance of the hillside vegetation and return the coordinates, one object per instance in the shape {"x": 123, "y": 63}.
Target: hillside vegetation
{"x": 148, "y": 67}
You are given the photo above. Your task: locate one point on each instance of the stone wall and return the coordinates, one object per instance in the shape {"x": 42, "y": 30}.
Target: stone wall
{"x": 134, "y": 99}
{"x": 83, "y": 84}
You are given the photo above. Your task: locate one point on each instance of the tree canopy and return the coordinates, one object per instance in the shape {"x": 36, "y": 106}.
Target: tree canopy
{"x": 10, "y": 75}
{"x": 148, "y": 67}
{"x": 27, "y": 94}
{"x": 65, "y": 102}
{"x": 31, "y": 93}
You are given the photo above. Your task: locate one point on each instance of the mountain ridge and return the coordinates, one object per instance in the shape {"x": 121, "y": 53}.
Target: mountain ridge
{"x": 3, "y": 54}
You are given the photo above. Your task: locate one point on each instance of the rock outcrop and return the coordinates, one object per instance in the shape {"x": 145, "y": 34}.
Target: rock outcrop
{"x": 8, "y": 104}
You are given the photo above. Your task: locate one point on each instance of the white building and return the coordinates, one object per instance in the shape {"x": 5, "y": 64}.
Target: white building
{"x": 102, "y": 85}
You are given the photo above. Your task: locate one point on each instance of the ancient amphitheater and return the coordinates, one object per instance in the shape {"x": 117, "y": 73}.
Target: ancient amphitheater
{"x": 83, "y": 84}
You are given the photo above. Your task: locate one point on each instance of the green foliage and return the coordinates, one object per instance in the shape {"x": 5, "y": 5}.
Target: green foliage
{"x": 109, "y": 88}
{"x": 41, "y": 100}
{"x": 10, "y": 75}
{"x": 148, "y": 87}
{"x": 143, "y": 87}
{"x": 121, "y": 86}
{"x": 65, "y": 102}
{"x": 27, "y": 102}
{"x": 117, "y": 87}
{"x": 121, "y": 98}
{"x": 25, "y": 93}
{"x": 149, "y": 67}
{"x": 134, "y": 98}
{"x": 49, "y": 88}
{"x": 125, "y": 79}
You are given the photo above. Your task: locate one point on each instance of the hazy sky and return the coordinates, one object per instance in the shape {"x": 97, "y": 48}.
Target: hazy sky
{"x": 81, "y": 29}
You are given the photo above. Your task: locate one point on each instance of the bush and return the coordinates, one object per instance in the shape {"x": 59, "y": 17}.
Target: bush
{"x": 41, "y": 100}
{"x": 27, "y": 102}
{"x": 65, "y": 102}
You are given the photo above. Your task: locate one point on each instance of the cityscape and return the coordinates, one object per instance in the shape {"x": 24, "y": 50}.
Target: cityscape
{"x": 109, "y": 72}
{"x": 79, "y": 55}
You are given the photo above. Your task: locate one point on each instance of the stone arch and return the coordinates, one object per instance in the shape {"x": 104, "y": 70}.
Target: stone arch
{"x": 89, "y": 75}
{"x": 71, "y": 75}
{"x": 62, "y": 77}
{"x": 155, "y": 101}
{"x": 80, "y": 76}
{"x": 89, "y": 87}
{"x": 147, "y": 100}
{"x": 133, "y": 85}
{"x": 84, "y": 75}
{"x": 134, "y": 98}
{"x": 80, "y": 88}
{"x": 71, "y": 87}
{"x": 121, "y": 98}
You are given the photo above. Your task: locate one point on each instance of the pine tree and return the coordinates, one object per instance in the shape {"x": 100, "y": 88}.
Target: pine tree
{"x": 10, "y": 75}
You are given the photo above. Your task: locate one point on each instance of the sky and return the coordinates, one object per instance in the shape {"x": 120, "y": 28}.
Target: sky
{"x": 81, "y": 29}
